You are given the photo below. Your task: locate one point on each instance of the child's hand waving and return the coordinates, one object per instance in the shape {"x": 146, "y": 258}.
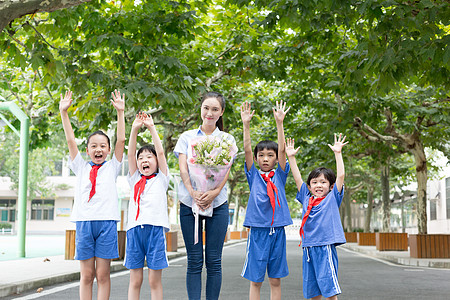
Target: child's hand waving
{"x": 148, "y": 120}
{"x": 290, "y": 149}
{"x": 66, "y": 101}
{"x": 246, "y": 112}
{"x": 118, "y": 101}
{"x": 137, "y": 123}
{"x": 338, "y": 143}
{"x": 280, "y": 111}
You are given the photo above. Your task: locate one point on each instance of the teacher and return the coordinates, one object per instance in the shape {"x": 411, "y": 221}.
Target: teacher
{"x": 212, "y": 109}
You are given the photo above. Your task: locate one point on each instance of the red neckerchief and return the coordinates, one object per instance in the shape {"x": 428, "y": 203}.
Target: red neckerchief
{"x": 138, "y": 189}
{"x": 312, "y": 202}
{"x": 93, "y": 178}
{"x": 270, "y": 188}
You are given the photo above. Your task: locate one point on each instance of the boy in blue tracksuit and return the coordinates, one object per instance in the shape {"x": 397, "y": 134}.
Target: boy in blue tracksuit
{"x": 321, "y": 230}
{"x": 267, "y": 209}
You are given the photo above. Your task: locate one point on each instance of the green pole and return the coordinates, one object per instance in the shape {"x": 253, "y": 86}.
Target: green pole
{"x": 23, "y": 171}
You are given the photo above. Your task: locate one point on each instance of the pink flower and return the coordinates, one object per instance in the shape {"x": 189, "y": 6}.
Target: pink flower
{"x": 192, "y": 160}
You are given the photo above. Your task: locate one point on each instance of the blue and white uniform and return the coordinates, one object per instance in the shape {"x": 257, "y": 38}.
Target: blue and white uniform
{"x": 96, "y": 219}
{"x": 266, "y": 244}
{"x": 146, "y": 238}
{"x": 322, "y": 233}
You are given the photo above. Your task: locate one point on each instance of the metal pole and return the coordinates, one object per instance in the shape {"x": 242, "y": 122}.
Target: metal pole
{"x": 23, "y": 172}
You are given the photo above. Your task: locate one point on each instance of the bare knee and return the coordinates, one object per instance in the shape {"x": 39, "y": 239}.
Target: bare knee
{"x": 87, "y": 276}
{"x": 275, "y": 282}
{"x": 256, "y": 284}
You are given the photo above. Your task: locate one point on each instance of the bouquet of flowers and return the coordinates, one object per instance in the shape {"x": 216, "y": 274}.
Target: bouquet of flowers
{"x": 209, "y": 161}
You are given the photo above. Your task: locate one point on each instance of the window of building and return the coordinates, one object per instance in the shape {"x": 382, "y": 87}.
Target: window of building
{"x": 432, "y": 210}
{"x": 447, "y": 195}
{"x": 7, "y": 210}
{"x": 42, "y": 209}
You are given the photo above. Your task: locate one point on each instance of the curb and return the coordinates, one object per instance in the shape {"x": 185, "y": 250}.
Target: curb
{"x": 116, "y": 266}
{"x": 407, "y": 261}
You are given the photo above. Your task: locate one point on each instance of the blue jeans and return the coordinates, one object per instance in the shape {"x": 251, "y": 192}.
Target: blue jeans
{"x": 215, "y": 231}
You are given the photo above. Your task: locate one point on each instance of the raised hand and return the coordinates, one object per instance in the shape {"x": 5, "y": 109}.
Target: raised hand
{"x": 338, "y": 143}
{"x": 148, "y": 120}
{"x": 118, "y": 101}
{"x": 246, "y": 112}
{"x": 66, "y": 101}
{"x": 137, "y": 123}
{"x": 280, "y": 111}
{"x": 290, "y": 148}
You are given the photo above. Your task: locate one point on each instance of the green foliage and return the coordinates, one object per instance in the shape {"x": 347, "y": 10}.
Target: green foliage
{"x": 5, "y": 225}
{"x": 331, "y": 61}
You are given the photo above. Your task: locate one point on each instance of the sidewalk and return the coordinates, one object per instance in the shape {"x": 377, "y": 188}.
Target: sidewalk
{"x": 399, "y": 257}
{"x": 17, "y": 276}
{"x": 20, "y": 275}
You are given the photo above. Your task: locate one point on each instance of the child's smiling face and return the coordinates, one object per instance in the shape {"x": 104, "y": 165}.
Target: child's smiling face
{"x": 266, "y": 159}
{"x": 319, "y": 186}
{"x": 98, "y": 148}
{"x": 147, "y": 163}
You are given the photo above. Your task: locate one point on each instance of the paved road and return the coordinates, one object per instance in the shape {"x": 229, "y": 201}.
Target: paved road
{"x": 360, "y": 277}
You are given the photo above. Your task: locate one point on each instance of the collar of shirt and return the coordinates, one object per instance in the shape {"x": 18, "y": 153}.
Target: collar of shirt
{"x": 266, "y": 173}
{"x": 91, "y": 163}
{"x": 215, "y": 132}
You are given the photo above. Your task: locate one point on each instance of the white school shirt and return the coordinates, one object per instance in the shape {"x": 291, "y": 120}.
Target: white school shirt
{"x": 182, "y": 146}
{"x": 153, "y": 203}
{"x": 104, "y": 205}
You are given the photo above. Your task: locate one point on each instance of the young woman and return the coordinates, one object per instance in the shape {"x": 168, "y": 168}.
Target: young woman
{"x": 212, "y": 108}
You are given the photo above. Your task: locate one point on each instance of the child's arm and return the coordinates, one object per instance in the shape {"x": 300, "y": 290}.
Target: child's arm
{"x": 337, "y": 149}
{"x": 291, "y": 152}
{"x": 119, "y": 104}
{"x": 132, "y": 164}
{"x": 246, "y": 116}
{"x": 64, "y": 105}
{"x": 162, "y": 163}
{"x": 279, "y": 115}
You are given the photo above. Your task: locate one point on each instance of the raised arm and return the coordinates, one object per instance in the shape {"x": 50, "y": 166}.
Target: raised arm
{"x": 246, "y": 116}
{"x": 132, "y": 164}
{"x": 64, "y": 105}
{"x": 162, "y": 163}
{"x": 337, "y": 149}
{"x": 118, "y": 102}
{"x": 279, "y": 113}
{"x": 291, "y": 152}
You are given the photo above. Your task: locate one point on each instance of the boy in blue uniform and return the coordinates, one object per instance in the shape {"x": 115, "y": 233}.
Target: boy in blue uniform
{"x": 321, "y": 230}
{"x": 267, "y": 209}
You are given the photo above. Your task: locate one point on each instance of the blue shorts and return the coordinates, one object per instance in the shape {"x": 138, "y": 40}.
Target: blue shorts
{"x": 146, "y": 241}
{"x": 96, "y": 239}
{"x": 266, "y": 249}
{"x": 320, "y": 271}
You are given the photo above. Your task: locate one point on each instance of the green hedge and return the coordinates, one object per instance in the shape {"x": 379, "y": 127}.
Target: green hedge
{"x": 5, "y": 225}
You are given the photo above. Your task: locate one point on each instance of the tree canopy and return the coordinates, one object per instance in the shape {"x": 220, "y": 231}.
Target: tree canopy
{"x": 378, "y": 71}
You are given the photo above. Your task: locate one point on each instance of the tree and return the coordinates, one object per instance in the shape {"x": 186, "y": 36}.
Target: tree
{"x": 11, "y": 10}
{"x": 424, "y": 123}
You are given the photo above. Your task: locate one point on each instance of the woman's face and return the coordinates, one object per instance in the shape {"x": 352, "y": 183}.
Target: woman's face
{"x": 211, "y": 111}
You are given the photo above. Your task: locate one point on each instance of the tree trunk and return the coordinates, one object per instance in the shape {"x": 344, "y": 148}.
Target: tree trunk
{"x": 421, "y": 174}
{"x": 13, "y": 9}
{"x": 348, "y": 210}
{"x": 342, "y": 213}
{"x": 370, "y": 190}
{"x": 236, "y": 213}
{"x": 386, "y": 201}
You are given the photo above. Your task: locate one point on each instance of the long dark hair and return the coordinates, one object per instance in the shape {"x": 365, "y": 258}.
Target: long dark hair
{"x": 221, "y": 100}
